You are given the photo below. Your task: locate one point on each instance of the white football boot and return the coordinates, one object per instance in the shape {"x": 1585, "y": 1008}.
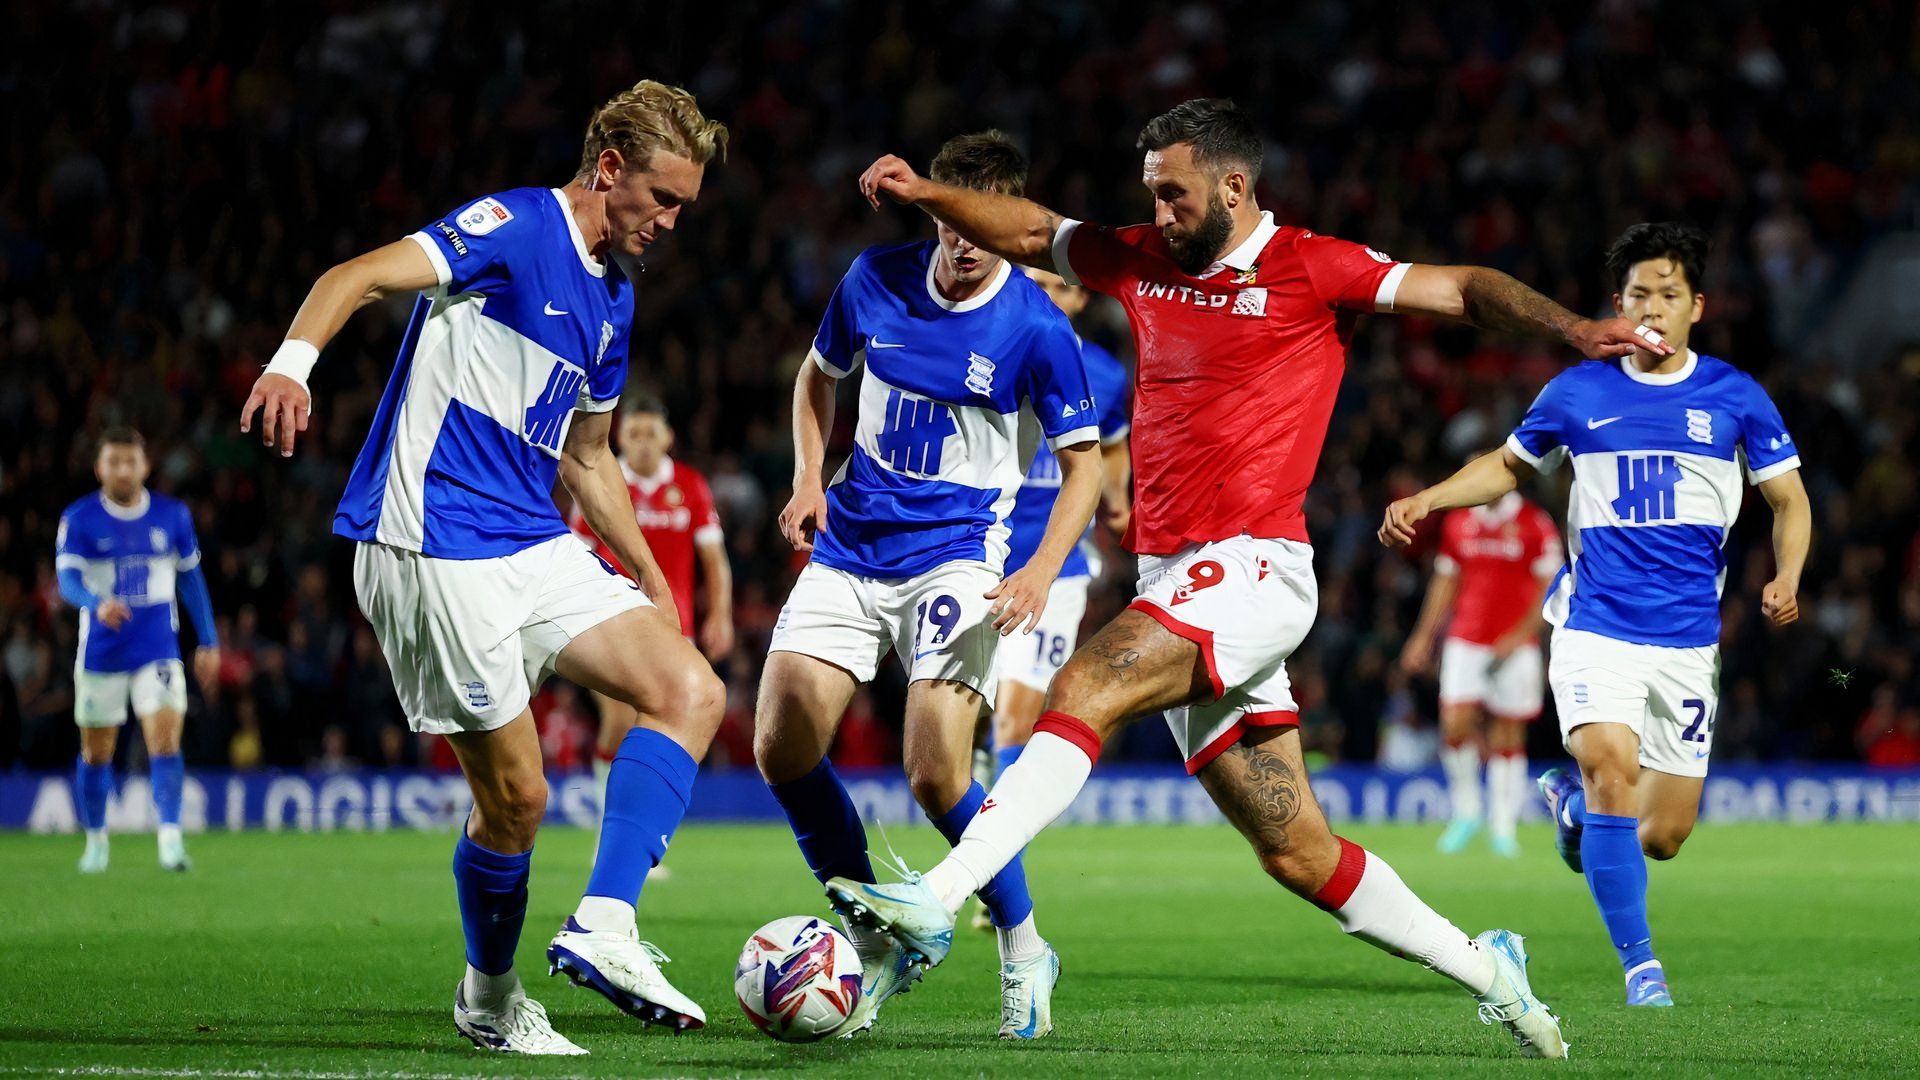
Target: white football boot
{"x": 1026, "y": 995}
{"x": 890, "y": 971}
{"x": 1510, "y": 1001}
{"x": 624, "y": 970}
{"x": 173, "y": 853}
{"x": 521, "y": 1027}
{"x": 94, "y": 859}
{"x": 908, "y": 912}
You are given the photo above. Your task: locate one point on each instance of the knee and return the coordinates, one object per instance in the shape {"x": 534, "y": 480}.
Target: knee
{"x": 510, "y": 814}
{"x": 775, "y": 757}
{"x": 694, "y": 702}
{"x": 1662, "y": 841}
{"x": 1610, "y": 784}
{"x": 937, "y": 790}
{"x": 1077, "y": 692}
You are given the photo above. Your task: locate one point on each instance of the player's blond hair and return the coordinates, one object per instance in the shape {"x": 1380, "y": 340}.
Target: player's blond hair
{"x": 652, "y": 116}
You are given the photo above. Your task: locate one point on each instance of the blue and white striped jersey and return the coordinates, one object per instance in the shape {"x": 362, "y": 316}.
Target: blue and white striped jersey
{"x": 1107, "y": 378}
{"x": 1657, "y": 463}
{"x": 954, "y": 399}
{"x": 134, "y": 554}
{"x": 525, "y": 327}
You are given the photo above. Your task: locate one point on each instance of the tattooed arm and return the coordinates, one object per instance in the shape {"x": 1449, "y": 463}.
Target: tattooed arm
{"x": 1007, "y": 225}
{"x": 1495, "y": 301}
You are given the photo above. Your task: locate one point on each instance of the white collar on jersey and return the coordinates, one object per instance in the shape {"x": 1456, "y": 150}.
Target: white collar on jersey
{"x": 594, "y": 266}
{"x": 1670, "y": 378}
{"x": 978, "y": 299}
{"x": 1244, "y": 256}
{"x": 127, "y": 513}
{"x": 649, "y": 484}
{"x": 1499, "y": 511}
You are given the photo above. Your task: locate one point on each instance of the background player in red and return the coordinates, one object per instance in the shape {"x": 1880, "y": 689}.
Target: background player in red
{"x": 674, "y": 507}
{"x": 1241, "y": 326}
{"x": 1490, "y": 574}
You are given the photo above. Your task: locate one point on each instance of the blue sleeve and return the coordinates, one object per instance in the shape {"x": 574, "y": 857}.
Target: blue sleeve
{"x": 73, "y": 589}
{"x": 192, "y": 580}
{"x": 1107, "y": 378}
{"x": 1542, "y": 431}
{"x": 607, "y": 377}
{"x": 1056, "y": 384}
{"x": 838, "y": 346}
{"x": 194, "y": 597}
{"x": 470, "y": 248}
{"x": 1763, "y": 435}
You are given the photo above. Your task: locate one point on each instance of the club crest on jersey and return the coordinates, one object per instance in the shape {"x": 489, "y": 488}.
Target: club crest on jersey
{"x": 1700, "y": 426}
{"x": 483, "y": 217}
{"x": 1248, "y": 276}
{"x": 159, "y": 538}
{"x": 979, "y": 374}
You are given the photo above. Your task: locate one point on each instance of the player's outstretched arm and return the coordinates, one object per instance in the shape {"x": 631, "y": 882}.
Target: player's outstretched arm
{"x": 1792, "y": 536}
{"x": 1007, "y": 225}
{"x": 1021, "y": 597}
{"x": 280, "y": 395}
{"x": 1478, "y": 482}
{"x": 592, "y": 476}
{"x": 806, "y": 513}
{"x": 1492, "y": 300}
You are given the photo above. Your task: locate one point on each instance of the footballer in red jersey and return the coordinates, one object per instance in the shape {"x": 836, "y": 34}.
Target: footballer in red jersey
{"x": 1241, "y": 324}
{"x": 1491, "y": 573}
{"x": 674, "y": 508}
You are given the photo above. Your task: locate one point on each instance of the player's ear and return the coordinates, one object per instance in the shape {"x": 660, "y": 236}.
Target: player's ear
{"x": 1699, "y": 306}
{"x": 610, "y": 167}
{"x": 1236, "y": 182}
{"x": 1618, "y": 307}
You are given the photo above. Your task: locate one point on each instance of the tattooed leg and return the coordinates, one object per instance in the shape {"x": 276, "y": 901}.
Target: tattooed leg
{"x": 1131, "y": 667}
{"x": 1260, "y": 784}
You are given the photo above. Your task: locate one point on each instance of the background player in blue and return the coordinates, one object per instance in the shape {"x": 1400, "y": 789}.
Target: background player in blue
{"x": 124, "y": 555}
{"x": 1658, "y": 446}
{"x": 909, "y": 543}
{"x": 465, "y": 567}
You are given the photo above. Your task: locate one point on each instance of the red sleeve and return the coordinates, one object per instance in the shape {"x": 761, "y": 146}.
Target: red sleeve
{"x": 1346, "y": 274}
{"x": 1543, "y": 554}
{"x": 700, "y": 502}
{"x": 1094, "y": 256}
{"x": 1447, "y": 555}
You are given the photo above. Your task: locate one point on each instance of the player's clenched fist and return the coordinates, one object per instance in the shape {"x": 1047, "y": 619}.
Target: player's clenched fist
{"x": 804, "y": 517}
{"x": 1779, "y": 604}
{"x": 892, "y": 177}
{"x": 284, "y": 406}
{"x": 1402, "y": 515}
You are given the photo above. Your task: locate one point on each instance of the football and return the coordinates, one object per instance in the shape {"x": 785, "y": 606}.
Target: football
{"x": 798, "y": 979}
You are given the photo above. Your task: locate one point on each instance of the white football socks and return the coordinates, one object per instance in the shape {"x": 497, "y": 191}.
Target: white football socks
{"x": 1032, "y": 792}
{"x": 1507, "y": 786}
{"x": 597, "y": 913}
{"x": 1020, "y": 942}
{"x": 488, "y": 993}
{"x": 1462, "y": 766}
{"x": 1371, "y": 902}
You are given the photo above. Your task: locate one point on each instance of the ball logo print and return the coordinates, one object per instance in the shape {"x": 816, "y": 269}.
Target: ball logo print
{"x": 798, "y": 979}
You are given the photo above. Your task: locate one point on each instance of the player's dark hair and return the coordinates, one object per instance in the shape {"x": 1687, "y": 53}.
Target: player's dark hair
{"x": 119, "y": 435}
{"x": 984, "y": 161}
{"x": 1222, "y": 136}
{"x": 1683, "y": 243}
{"x": 642, "y": 403}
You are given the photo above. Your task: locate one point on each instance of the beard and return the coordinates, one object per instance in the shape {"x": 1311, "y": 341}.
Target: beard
{"x": 1197, "y": 251}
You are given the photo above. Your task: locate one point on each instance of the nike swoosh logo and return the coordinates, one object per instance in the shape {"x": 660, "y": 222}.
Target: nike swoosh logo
{"x": 876, "y": 343}
{"x": 1592, "y": 423}
{"x": 1697, "y": 754}
{"x": 551, "y": 310}
{"x": 926, "y": 652}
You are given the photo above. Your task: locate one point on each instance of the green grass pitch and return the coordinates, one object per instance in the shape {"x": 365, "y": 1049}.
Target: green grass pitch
{"x": 1792, "y": 950}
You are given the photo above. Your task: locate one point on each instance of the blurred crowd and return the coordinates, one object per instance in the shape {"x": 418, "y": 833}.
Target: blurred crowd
{"x": 174, "y": 175}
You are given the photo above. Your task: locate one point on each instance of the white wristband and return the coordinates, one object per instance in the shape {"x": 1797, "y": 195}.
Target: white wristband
{"x": 294, "y": 359}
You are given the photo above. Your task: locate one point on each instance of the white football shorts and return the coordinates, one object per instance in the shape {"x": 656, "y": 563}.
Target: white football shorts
{"x": 100, "y": 698}
{"x": 469, "y": 640}
{"x": 1511, "y": 689}
{"x": 1667, "y": 695}
{"x": 1034, "y": 659}
{"x": 937, "y": 623}
{"x": 1248, "y": 603}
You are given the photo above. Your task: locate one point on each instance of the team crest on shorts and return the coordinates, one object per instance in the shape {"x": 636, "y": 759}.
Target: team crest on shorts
{"x": 477, "y": 696}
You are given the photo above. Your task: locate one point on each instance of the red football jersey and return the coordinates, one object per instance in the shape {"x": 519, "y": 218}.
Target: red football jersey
{"x": 1501, "y": 552}
{"x": 1238, "y": 369}
{"x": 674, "y": 508}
